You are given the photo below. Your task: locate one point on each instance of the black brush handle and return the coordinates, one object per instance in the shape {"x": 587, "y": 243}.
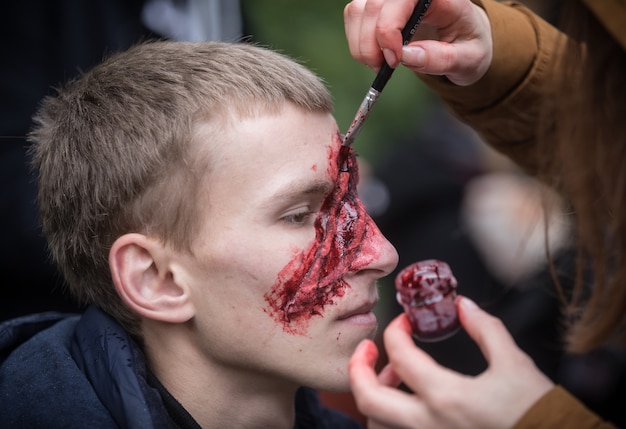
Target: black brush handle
{"x": 385, "y": 72}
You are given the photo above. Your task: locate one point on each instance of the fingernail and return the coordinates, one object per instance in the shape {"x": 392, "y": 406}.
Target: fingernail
{"x": 413, "y": 56}
{"x": 468, "y": 304}
{"x": 390, "y": 57}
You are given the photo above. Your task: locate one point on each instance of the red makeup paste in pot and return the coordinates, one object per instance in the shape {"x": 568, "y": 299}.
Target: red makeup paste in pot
{"x": 427, "y": 290}
{"x": 314, "y": 279}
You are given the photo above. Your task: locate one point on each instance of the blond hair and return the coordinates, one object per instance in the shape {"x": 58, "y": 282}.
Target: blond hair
{"x": 113, "y": 149}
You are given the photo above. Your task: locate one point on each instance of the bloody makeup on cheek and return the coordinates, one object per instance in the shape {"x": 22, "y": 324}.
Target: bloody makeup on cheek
{"x": 314, "y": 278}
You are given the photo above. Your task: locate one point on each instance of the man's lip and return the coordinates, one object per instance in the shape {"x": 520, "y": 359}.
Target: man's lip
{"x": 362, "y": 309}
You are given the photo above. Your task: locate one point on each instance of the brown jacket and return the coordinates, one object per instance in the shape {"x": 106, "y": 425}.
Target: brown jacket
{"x": 503, "y": 105}
{"x": 503, "y": 108}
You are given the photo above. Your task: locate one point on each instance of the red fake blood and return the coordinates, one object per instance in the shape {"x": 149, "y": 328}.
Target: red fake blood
{"x": 314, "y": 279}
{"x": 426, "y": 291}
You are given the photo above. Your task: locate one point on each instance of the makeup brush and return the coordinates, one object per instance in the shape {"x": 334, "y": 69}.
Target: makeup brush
{"x": 383, "y": 76}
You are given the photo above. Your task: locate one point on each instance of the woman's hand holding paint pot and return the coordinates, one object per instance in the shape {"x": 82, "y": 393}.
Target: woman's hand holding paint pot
{"x": 440, "y": 397}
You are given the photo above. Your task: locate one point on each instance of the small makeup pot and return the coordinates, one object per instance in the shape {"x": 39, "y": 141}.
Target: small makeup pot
{"x": 427, "y": 290}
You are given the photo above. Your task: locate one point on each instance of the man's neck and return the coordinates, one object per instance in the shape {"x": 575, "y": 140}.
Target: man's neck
{"x": 217, "y": 395}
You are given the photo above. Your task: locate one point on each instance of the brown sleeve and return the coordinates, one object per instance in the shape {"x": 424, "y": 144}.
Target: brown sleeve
{"x": 503, "y": 107}
{"x": 559, "y": 409}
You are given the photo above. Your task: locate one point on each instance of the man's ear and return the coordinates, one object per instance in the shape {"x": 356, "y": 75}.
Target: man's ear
{"x": 142, "y": 274}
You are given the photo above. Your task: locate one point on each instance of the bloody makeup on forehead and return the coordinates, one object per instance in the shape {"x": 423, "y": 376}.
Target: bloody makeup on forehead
{"x": 314, "y": 278}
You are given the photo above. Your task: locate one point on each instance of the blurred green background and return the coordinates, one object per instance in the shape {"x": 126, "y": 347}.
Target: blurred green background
{"x": 312, "y": 32}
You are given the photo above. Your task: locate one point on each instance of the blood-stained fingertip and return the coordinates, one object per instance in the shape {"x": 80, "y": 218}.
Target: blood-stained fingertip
{"x": 366, "y": 353}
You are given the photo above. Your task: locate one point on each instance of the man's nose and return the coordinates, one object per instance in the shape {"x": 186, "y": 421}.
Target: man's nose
{"x": 377, "y": 253}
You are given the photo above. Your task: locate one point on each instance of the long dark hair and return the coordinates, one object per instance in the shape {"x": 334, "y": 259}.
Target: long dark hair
{"x": 584, "y": 149}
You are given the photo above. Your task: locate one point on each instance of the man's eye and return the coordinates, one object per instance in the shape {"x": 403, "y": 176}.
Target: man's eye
{"x": 299, "y": 218}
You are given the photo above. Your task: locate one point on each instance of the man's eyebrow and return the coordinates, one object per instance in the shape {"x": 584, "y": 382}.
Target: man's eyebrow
{"x": 295, "y": 190}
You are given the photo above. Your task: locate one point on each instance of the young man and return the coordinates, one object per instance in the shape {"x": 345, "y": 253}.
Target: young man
{"x": 192, "y": 193}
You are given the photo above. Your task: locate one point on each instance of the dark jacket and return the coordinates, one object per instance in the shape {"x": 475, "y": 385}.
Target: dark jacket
{"x": 71, "y": 371}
